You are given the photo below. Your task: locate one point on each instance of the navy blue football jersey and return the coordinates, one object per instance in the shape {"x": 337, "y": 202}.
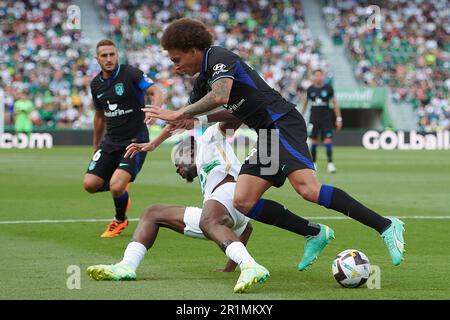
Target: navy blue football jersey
{"x": 319, "y": 98}
{"x": 251, "y": 100}
{"x": 121, "y": 97}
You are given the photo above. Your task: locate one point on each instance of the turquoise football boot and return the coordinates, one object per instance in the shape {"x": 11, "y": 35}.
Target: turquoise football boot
{"x": 314, "y": 246}
{"x": 249, "y": 276}
{"x": 115, "y": 272}
{"x": 394, "y": 240}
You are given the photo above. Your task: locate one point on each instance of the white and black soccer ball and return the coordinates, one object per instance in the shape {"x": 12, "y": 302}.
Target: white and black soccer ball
{"x": 351, "y": 268}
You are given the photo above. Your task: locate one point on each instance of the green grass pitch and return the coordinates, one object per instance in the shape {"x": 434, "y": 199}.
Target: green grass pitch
{"x": 47, "y": 184}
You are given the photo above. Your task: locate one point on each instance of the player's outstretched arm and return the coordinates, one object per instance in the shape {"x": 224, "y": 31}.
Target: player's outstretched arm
{"x": 135, "y": 148}
{"x": 226, "y": 118}
{"x": 218, "y": 96}
{"x": 231, "y": 265}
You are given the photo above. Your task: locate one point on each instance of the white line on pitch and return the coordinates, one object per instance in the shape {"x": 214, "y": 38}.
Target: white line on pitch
{"x": 136, "y": 219}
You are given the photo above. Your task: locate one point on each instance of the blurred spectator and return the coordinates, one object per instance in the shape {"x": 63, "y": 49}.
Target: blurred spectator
{"x": 41, "y": 55}
{"x": 271, "y": 36}
{"x": 409, "y": 50}
{"x": 22, "y": 109}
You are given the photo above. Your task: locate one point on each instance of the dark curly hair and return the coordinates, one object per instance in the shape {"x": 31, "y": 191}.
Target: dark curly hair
{"x": 184, "y": 34}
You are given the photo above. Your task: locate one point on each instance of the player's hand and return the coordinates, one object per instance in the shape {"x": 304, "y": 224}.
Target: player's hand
{"x": 163, "y": 114}
{"x": 135, "y": 148}
{"x": 149, "y": 120}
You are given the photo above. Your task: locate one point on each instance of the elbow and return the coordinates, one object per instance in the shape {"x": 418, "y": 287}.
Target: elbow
{"x": 222, "y": 100}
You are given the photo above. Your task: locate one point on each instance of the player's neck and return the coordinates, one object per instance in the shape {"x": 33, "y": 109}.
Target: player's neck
{"x": 108, "y": 74}
{"x": 318, "y": 85}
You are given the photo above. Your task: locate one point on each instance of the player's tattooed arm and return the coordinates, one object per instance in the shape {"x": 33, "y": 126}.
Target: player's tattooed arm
{"x": 219, "y": 95}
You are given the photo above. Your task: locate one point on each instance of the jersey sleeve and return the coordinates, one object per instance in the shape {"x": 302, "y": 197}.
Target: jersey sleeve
{"x": 139, "y": 78}
{"x": 222, "y": 64}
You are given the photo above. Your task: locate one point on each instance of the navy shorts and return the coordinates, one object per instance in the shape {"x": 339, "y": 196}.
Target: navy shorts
{"x": 108, "y": 159}
{"x": 280, "y": 150}
{"x": 324, "y": 128}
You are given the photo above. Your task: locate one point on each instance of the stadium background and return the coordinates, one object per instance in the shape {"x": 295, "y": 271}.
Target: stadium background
{"x": 390, "y": 70}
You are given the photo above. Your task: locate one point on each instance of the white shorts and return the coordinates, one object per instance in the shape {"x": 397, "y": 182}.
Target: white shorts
{"x": 223, "y": 194}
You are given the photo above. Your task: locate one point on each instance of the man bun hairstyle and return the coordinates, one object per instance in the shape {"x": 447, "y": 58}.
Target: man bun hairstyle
{"x": 186, "y": 33}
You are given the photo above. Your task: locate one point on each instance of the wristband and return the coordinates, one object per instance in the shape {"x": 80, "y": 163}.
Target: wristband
{"x": 339, "y": 119}
{"x": 203, "y": 120}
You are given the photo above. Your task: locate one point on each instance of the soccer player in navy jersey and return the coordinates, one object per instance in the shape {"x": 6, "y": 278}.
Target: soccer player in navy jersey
{"x": 224, "y": 79}
{"x": 320, "y": 94}
{"x": 118, "y": 92}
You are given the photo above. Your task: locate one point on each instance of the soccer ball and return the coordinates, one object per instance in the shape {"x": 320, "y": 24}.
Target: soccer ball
{"x": 351, "y": 268}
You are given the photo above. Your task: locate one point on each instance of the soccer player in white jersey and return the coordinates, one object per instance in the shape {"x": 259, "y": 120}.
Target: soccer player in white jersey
{"x": 217, "y": 167}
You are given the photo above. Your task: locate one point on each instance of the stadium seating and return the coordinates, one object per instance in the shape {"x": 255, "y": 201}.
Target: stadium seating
{"x": 408, "y": 51}
{"x": 273, "y": 39}
{"x": 42, "y": 57}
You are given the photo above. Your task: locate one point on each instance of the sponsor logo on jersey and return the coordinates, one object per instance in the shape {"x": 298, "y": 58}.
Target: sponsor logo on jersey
{"x": 219, "y": 68}
{"x": 100, "y": 95}
{"x": 114, "y": 111}
{"x": 234, "y": 106}
{"x": 118, "y": 112}
{"x": 111, "y": 107}
{"x": 119, "y": 89}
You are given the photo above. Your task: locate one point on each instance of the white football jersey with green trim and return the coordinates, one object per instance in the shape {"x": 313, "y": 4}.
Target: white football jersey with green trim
{"x": 215, "y": 159}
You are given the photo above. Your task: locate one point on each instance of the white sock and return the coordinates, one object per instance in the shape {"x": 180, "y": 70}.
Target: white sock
{"x": 134, "y": 253}
{"x": 237, "y": 252}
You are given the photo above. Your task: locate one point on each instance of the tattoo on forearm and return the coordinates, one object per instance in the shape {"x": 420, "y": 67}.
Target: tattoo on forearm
{"x": 203, "y": 105}
{"x": 220, "y": 89}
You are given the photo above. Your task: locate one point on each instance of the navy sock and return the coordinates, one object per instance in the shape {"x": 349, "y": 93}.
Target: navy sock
{"x": 329, "y": 149}
{"x": 275, "y": 214}
{"x": 121, "y": 205}
{"x": 336, "y": 199}
{"x": 313, "y": 152}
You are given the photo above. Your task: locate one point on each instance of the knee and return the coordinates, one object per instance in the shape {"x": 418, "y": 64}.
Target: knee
{"x": 153, "y": 213}
{"x": 243, "y": 205}
{"x": 309, "y": 192}
{"x": 207, "y": 223}
{"x": 89, "y": 186}
{"x": 116, "y": 188}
